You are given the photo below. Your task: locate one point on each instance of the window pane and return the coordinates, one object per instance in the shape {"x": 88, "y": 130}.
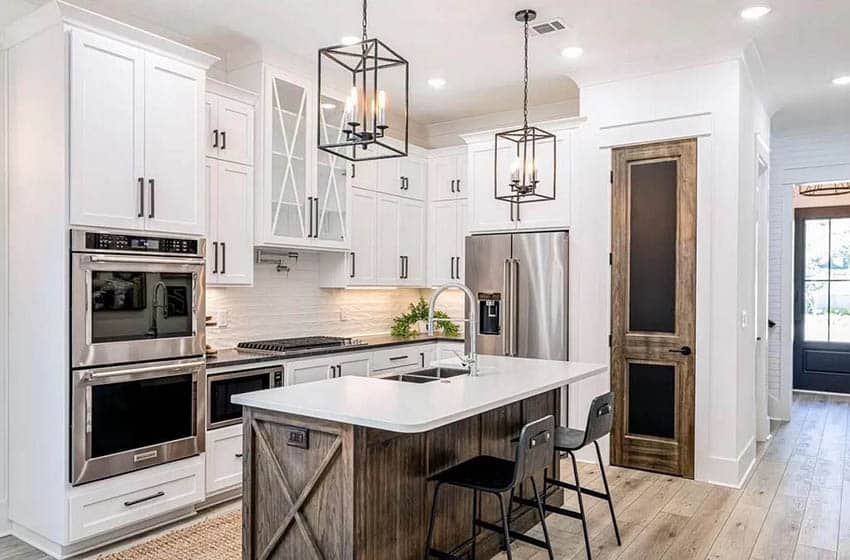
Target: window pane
{"x": 652, "y": 247}
{"x": 839, "y": 268}
{"x": 817, "y": 249}
{"x": 839, "y": 311}
{"x": 815, "y": 321}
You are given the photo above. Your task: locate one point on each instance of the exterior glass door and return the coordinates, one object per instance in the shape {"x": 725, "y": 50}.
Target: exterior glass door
{"x": 822, "y": 299}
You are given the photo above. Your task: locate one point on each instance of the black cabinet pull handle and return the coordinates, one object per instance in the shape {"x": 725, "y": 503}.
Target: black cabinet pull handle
{"x": 353, "y": 171}
{"x": 453, "y": 185}
{"x": 339, "y": 370}
{"x": 353, "y": 265}
{"x": 145, "y": 499}
{"x": 684, "y": 350}
{"x": 396, "y": 358}
{"x": 141, "y": 197}
{"x": 309, "y": 216}
{"x": 422, "y": 358}
{"x": 457, "y": 268}
{"x": 153, "y": 198}
{"x": 215, "y": 138}
{"x": 316, "y": 222}
{"x": 215, "y": 257}
{"x": 452, "y": 267}
{"x": 457, "y": 185}
{"x": 223, "y": 256}
{"x": 223, "y": 140}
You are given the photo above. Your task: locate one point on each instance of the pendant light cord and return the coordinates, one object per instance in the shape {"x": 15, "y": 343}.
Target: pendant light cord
{"x": 364, "y": 21}
{"x": 525, "y": 76}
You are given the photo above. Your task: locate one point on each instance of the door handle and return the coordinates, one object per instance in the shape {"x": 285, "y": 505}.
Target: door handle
{"x": 684, "y": 350}
{"x": 153, "y": 198}
{"x": 506, "y": 322}
{"x": 215, "y": 138}
{"x": 215, "y": 257}
{"x": 353, "y": 265}
{"x": 223, "y": 257}
{"x": 141, "y": 197}
{"x": 223, "y": 140}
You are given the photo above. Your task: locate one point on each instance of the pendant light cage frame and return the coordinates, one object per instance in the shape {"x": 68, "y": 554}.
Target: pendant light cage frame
{"x": 364, "y": 66}
{"x": 836, "y": 188}
{"x": 527, "y": 147}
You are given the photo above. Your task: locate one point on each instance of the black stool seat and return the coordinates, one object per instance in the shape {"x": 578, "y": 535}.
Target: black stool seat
{"x": 485, "y": 473}
{"x": 569, "y": 439}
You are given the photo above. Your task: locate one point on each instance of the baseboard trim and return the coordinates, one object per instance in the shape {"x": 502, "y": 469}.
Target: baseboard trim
{"x": 732, "y": 473}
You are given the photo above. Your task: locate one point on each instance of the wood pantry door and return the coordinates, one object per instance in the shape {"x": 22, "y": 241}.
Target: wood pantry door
{"x": 653, "y": 270}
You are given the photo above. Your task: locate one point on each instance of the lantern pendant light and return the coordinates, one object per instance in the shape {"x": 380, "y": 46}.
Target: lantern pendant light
{"x": 373, "y": 76}
{"x": 533, "y": 168}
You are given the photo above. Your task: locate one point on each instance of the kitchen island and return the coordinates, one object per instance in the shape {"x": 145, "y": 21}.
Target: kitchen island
{"x": 338, "y": 468}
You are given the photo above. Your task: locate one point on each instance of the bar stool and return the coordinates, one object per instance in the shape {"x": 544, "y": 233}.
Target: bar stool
{"x": 600, "y": 417}
{"x": 499, "y": 476}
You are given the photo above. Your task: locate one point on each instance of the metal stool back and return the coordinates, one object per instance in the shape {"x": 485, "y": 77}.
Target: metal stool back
{"x": 600, "y": 419}
{"x": 535, "y": 448}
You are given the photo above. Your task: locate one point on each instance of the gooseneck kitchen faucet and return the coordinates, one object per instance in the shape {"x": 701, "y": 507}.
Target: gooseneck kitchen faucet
{"x": 471, "y": 360}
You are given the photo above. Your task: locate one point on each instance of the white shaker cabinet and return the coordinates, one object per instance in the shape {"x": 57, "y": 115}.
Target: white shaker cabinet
{"x": 446, "y": 229}
{"x": 411, "y": 242}
{"x": 230, "y": 247}
{"x": 229, "y": 116}
{"x": 487, "y": 212}
{"x": 447, "y": 176}
{"x": 362, "y": 259}
{"x": 106, "y": 113}
{"x": 389, "y": 263}
{"x": 135, "y": 138}
{"x": 306, "y": 371}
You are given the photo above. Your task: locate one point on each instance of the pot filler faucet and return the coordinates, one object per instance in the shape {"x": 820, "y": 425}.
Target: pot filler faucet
{"x": 470, "y": 360}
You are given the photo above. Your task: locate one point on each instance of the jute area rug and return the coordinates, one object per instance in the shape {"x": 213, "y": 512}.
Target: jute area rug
{"x": 217, "y": 538}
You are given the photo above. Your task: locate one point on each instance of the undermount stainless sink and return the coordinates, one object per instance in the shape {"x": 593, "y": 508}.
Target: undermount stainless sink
{"x": 427, "y": 375}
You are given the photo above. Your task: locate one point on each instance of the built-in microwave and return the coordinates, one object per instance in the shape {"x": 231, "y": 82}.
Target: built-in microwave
{"x": 135, "y": 298}
{"x": 222, "y": 386}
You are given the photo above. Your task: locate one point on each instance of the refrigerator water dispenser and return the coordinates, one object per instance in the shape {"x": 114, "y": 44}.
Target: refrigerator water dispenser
{"x": 489, "y": 313}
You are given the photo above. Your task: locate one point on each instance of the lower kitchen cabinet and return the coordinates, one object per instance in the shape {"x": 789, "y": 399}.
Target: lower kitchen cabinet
{"x": 352, "y": 364}
{"x": 114, "y": 503}
{"x": 305, "y": 371}
{"x": 224, "y": 459}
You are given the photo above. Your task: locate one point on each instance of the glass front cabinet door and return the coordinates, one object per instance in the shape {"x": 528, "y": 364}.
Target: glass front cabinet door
{"x": 305, "y": 196}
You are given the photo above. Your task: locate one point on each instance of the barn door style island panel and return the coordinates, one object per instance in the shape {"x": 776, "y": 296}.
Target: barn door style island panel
{"x": 338, "y": 469}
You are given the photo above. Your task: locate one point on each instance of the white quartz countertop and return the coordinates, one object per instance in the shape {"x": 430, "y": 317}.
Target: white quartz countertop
{"x": 419, "y": 407}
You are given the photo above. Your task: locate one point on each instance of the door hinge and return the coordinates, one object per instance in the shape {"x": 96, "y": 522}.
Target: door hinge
{"x": 612, "y": 177}
{"x": 609, "y": 341}
{"x": 610, "y": 259}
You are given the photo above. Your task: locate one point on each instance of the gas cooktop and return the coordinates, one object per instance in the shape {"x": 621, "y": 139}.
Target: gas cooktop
{"x": 303, "y": 343}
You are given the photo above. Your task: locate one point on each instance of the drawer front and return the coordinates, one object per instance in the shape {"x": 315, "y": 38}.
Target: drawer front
{"x": 116, "y": 502}
{"x": 224, "y": 459}
{"x": 392, "y": 358}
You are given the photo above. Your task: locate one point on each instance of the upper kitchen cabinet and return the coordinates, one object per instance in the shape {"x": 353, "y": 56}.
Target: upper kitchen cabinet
{"x": 135, "y": 134}
{"x": 230, "y": 123}
{"x": 447, "y": 174}
{"x": 401, "y": 176}
{"x": 489, "y": 214}
{"x": 303, "y": 197}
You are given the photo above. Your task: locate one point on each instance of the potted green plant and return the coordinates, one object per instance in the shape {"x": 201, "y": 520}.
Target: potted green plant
{"x": 403, "y": 324}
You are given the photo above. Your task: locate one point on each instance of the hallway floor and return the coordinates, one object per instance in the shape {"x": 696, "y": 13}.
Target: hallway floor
{"x": 795, "y": 505}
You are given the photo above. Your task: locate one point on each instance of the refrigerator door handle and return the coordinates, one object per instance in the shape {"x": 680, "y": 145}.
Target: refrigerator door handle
{"x": 506, "y": 319}
{"x": 514, "y": 306}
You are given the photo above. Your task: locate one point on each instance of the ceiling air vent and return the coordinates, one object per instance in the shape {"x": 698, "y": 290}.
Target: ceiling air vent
{"x": 548, "y": 27}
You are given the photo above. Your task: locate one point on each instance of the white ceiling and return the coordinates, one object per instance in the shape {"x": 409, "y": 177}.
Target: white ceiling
{"x": 476, "y": 44}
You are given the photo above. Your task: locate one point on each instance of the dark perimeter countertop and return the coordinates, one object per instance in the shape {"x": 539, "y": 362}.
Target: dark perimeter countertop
{"x": 237, "y": 357}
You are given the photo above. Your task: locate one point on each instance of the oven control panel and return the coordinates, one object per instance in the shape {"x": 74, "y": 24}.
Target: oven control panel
{"x": 141, "y": 244}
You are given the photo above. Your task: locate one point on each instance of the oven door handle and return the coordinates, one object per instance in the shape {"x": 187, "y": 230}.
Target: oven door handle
{"x": 175, "y": 368}
{"x": 144, "y": 260}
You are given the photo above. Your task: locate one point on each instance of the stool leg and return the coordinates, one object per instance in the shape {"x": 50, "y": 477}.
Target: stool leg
{"x": 580, "y": 505}
{"x": 505, "y": 526}
{"x": 431, "y": 523}
{"x": 608, "y": 493}
{"x": 474, "y": 519}
{"x": 542, "y": 519}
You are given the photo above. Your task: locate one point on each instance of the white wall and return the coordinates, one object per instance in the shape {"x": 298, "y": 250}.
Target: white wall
{"x": 703, "y": 102}
{"x": 4, "y": 403}
{"x": 284, "y": 306}
{"x": 799, "y": 155}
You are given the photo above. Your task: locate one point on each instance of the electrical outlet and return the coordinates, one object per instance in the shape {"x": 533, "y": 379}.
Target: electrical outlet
{"x": 745, "y": 319}
{"x": 343, "y": 315}
{"x": 223, "y": 317}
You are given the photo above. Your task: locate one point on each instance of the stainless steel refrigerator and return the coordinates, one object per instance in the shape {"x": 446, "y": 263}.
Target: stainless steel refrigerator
{"x": 520, "y": 281}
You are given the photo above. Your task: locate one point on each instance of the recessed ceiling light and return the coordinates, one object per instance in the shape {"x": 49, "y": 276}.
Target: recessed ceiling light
{"x": 755, "y": 12}
{"x": 328, "y": 105}
{"x": 842, "y": 81}
{"x": 572, "y": 52}
{"x": 349, "y": 40}
{"x": 437, "y": 83}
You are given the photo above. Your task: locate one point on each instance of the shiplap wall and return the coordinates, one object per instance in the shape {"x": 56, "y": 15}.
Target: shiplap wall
{"x": 280, "y": 305}
{"x": 806, "y": 155}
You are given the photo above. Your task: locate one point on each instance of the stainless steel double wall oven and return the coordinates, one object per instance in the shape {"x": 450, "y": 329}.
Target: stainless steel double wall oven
{"x": 137, "y": 352}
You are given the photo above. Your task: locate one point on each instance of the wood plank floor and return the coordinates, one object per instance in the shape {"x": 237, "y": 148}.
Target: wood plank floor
{"x": 795, "y": 505}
